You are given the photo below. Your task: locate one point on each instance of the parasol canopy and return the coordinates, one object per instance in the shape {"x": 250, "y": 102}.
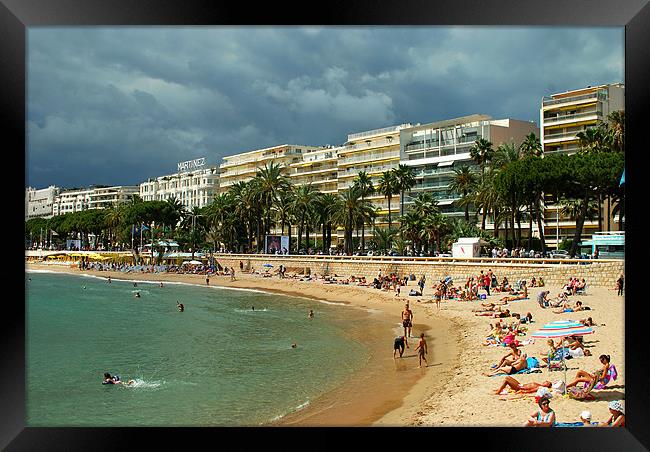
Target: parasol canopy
{"x": 194, "y": 262}
{"x": 267, "y": 265}
{"x": 553, "y": 330}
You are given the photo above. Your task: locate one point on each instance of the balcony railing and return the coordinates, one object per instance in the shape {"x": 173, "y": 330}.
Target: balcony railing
{"x": 368, "y": 157}
{"x": 552, "y": 101}
{"x": 372, "y": 144}
{"x": 573, "y": 117}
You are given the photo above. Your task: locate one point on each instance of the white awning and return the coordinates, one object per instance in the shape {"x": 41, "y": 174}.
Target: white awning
{"x": 445, "y": 202}
{"x": 445, "y": 163}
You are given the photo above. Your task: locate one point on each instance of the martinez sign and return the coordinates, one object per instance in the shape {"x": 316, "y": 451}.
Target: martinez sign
{"x": 191, "y": 164}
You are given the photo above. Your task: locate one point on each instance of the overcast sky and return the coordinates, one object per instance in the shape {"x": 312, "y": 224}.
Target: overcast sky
{"x": 116, "y": 106}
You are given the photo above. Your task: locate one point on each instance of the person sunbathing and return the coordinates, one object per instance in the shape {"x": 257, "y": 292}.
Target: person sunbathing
{"x": 497, "y": 314}
{"x": 552, "y": 349}
{"x": 585, "y": 377}
{"x": 568, "y": 308}
{"x": 525, "y": 388}
{"x": 496, "y": 335}
{"x": 589, "y": 322}
{"x": 511, "y": 356}
{"x": 516, "y": 295}
{"x": 533, "y": 282}
{"x": 517, "y": 365}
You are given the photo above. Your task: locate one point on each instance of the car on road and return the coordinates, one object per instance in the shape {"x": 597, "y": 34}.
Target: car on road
{"x": 559, "y": 254}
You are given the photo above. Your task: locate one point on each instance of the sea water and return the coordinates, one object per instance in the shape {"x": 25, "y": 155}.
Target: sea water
{"x": 220, "y": 362}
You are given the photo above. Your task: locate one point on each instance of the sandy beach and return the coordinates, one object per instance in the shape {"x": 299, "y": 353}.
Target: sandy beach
{"x": 451, "y": 391}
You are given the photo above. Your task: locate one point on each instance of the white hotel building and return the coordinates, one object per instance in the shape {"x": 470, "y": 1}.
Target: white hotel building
{"x": 92, "y": 198}
{"x": 193, "y": 185}
{"x": 39, "y": 203}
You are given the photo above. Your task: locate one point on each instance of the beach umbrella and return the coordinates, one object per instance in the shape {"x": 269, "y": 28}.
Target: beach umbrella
{"x": 561, "y": 329}
{"x": 267, "y": 265}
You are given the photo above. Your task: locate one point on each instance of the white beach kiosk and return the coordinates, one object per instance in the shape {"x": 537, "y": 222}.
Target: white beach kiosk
{"x": 467, "y": 247}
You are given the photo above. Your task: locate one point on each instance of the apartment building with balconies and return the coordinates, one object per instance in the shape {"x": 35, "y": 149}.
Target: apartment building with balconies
{"x": 39, "y": 203}
{"x": 318, "y": 167}
{"x": 562, "y": 117}
{"x": 435, "y": 150}
{"x": 243, "y": 167}
{"x": 94, "y": 197}
{"x": 372, "y": 151}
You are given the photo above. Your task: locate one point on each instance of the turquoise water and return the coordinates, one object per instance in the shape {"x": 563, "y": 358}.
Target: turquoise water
{"x": 217, "y": 363}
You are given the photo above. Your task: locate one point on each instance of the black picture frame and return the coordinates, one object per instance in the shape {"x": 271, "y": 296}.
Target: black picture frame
{"x": 17, "y": 15}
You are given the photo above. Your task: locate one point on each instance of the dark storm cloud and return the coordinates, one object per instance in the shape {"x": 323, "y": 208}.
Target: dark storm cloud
{"x": 120, "y": 105}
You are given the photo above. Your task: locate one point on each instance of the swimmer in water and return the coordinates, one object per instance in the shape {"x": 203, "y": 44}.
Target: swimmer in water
{"x": 84, "y": 287}
{"x": 161, "y": 284}
{"x": 294, "y": 345}
{"x": 137, "y": 295}
{"x": 181, "y": 307}
{"x": 311, "y": 314}
{"x": 135, "y": 284}
{"x": 252, "y": 308}
{"x": 109, "y": 279}
{"x": 115, "y": 380}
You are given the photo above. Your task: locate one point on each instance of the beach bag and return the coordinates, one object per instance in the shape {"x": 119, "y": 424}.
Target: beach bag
{"x": 483, "y": 296}
{"x": 532, "y": 362}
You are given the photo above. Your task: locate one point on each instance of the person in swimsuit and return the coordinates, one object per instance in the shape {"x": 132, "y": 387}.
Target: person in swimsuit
{"x": 422, "y": 350}
{"x": 137, "y": 295}
{"x": 181, "y": 306}
{"x": 400, "y": 342}
{"x": 521, "y": 388}
{"x": 586, "y": 377}
{"x": 544, "y": 417}
{"x": 114, "y": 380}
{"x": 511, "y": 356}
{"x": 407, "y": 320}
{"x": 510, "y": 369}
{"x": 617, "y": 418}
{"x": 310, "y": 316}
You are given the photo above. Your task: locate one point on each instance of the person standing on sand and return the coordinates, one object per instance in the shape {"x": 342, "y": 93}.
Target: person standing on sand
{"x": 232, "y": 273}
{"x": 241, "y": 266}
{"x": 400, "y": 341}
{"x": 207, "y": 280}
{"x": 407, "y": 320}
{"x": 619, "y": 284}
{"x": 422, "y": 350}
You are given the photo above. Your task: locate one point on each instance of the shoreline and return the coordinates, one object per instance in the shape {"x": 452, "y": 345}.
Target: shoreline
{"x": 386, "y": 391}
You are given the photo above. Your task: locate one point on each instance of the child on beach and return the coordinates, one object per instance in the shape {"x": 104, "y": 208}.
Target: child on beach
{"x": 422, "y": 350}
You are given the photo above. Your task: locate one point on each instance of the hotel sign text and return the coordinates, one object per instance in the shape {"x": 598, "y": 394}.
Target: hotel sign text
{"x": 191, "y": 164}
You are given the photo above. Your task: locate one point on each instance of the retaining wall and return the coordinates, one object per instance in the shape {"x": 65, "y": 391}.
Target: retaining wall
{"x": 597, "y": 273}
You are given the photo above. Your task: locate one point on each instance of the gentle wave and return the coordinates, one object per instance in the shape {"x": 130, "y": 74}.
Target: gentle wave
{"x": 302, "y": 406}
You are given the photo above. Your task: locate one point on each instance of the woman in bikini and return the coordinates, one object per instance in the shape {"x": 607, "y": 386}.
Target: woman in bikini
{"x": 586, "y": 377}
{"x": 526, "y": 388}
{"x": 544, "y": 417}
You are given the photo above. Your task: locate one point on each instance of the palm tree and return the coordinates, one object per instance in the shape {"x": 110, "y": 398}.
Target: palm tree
{"x": 617, "y": 128}
{"x": 349, "y": 210}
{"x": 463, "y": 182}
{"x": 385, "y": 238}
{"x": 177, "y": 210}
{"x": 364, "y": 183}
{"x": 410, "y": 228}
{"x": 324, "y": 208}
{"x": 302, "y": 205}
{"x": 482, "y": 152}
{"x": 505, "y": 154}
{"x": 531, "y": 146}
{"x": 405, "y": 181}
{"x": 425, "y": 204}
{"x": 269, "y": 182}
{"x": 388, "y": 187}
